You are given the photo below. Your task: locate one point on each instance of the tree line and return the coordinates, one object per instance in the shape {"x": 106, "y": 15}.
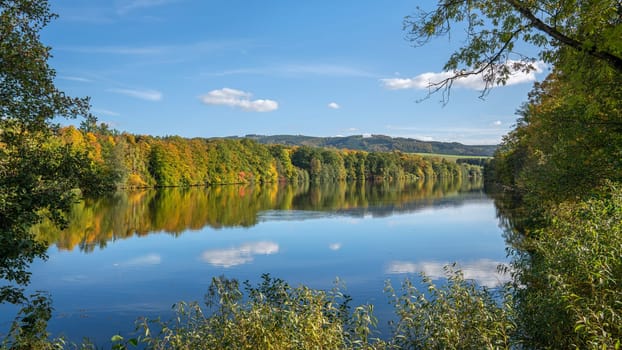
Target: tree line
{"x": 138, "y": 161}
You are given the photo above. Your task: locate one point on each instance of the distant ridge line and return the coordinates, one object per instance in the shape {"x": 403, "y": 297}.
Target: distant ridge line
{"x": 377, "y": 143}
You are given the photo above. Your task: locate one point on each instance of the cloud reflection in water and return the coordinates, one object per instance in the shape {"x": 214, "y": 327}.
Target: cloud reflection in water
{"x": 483, "y": 271}
{"x": 145, "y": 260}
{"x": 334, "y": 246}
{"x": 239, "y": 255}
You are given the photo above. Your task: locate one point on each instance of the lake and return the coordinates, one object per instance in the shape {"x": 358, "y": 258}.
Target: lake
{"x": 136, "y": 253}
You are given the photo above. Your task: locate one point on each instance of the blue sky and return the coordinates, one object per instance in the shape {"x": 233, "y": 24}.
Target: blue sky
{"x": 214, "y": 68}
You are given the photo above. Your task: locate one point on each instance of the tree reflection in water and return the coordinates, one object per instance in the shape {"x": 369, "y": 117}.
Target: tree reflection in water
{"x": 95, "y": 222}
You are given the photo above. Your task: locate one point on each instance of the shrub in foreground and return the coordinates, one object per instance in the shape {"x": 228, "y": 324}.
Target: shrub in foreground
{"x": 457, "y": 315}
{"x": 571, "y": 278}
{"x": 274, "y": 315}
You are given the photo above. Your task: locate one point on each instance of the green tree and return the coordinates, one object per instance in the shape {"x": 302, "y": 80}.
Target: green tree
{"x": 457, "y": 315}
{"x": 572, "y": 277}
{"x": 494, "y": 29}
{"x": 37, "y": 171}
{"x": 284, "y": 164}
{"x": 568, "y": 141}
{"x": 557, "y": 166}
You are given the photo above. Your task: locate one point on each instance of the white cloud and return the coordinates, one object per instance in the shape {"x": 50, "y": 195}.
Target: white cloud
{"x": 79, "y": 79}
{"x": 130, "y": 5}
{"x": 181, "y": 51}
{"x": 475, "y": 82}
{"x": 104, "y": 112}
{"x": 325, "y": 69}
{"x": 149, "y": 95}
{"x": 238, "y": 98}
{"x": 300, "y": 70}
{"x": 334, "y": 246}
{"x": 497, "y": 123}
{"x": 238, "y": 71}
{"x": 334, "y": 105}
{"x": 403, "y": 83}
{"x": 239, "y": 255}
{"x": 484, "y": 271}
{"x": 117, "y": 50}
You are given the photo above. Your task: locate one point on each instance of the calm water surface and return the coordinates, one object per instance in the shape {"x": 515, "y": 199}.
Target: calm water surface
{"x": 136, "y": 253}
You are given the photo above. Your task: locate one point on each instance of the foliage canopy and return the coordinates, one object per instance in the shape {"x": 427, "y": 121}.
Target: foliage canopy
{"x": 496, "y": 29}
{"x": 37, "y": 172}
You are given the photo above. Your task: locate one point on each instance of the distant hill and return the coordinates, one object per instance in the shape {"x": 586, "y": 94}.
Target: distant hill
{"x": 378, "y": 143}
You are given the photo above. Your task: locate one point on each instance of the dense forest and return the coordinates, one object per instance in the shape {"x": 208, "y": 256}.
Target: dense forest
{"x": 136, "y": 161}
{"x": 378, "y": 143}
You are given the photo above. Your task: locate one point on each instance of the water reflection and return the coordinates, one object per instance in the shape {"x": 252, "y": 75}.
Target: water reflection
{"x": 334, "y": 246}
{"x": 93, "y": 223}
{"x": 144, "y": 260}
{"x": 484, "y": 271}
{"x": 238, "y": 255}
{"x": 305, "y": 235}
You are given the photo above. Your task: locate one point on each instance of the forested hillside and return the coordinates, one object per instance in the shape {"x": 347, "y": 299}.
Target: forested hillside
{"x": 378, "y": 143}
{"x": 133, "y": 161}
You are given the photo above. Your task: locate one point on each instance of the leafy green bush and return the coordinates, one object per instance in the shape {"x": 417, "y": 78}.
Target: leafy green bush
{"x": 572, "y": 295}
{"x": 457, "y": 315}
{"x": 273, "y": 316}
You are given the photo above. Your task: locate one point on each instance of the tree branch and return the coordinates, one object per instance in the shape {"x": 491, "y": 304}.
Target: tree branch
{"x": 489, "y": 64}
{"x": 613, "y": 60}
